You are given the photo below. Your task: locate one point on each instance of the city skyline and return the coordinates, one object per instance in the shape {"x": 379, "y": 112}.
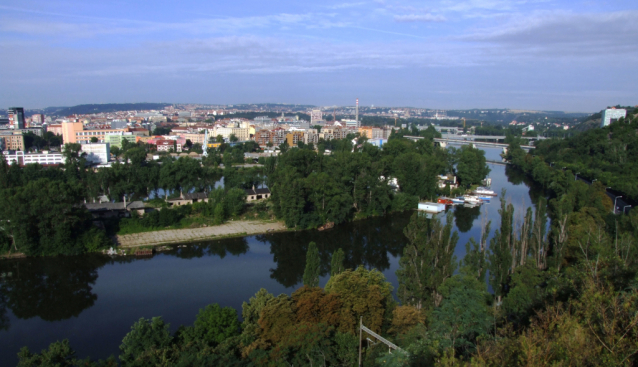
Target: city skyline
{"x": 541, "y": 55}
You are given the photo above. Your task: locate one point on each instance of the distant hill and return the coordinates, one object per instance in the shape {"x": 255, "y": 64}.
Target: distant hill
{"x": 84, "y": 109}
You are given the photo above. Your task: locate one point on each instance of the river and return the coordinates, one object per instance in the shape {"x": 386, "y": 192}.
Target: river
{"x": 93, "y": 300}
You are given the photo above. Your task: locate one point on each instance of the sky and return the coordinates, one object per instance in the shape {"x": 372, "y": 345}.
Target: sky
{"x": 566, "y": 55}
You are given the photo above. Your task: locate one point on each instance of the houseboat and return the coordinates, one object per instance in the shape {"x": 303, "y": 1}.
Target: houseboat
{"x": 431, "y": 207}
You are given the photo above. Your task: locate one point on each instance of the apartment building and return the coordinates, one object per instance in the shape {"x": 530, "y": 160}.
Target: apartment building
{"x": 275, "y": 137}
{"x": 194, "y": 138}
{"x": 73, "y": 132}
{"x": 97, "y": 153}
{"x": 294, "y": 137}
{"x": 116, "y": 139}
{"x": 311, "y": 137}
{"x": 12, "y": 140}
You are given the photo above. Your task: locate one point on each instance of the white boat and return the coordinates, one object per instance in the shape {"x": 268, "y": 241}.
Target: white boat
{"x": 470, "y": 199}
{"x": 482, "y": 191}
{"x": 459, "y": 200}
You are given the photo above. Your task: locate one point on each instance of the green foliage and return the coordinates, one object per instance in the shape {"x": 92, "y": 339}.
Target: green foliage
{"x": 395, "y": 358}
{"x": 313, "y": 266}
{"x": 212, "y": 326}
{"x": 336, "y": 265}
{"x": 471, "y": 168}
{"x": 59, "y": 354}
{"x": 427, "y": 260}
{"x": 143, "y": 345}
{"x": 363, "y": 293}
{"x": 44, "y": 219}
{"x": 464, "y": 314}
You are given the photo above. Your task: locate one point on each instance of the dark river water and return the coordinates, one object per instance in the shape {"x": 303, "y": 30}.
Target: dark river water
{"x": 93, "y": 300}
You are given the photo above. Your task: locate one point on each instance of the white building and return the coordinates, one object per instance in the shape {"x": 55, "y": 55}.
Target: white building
{"x": 610, "y": 115}
{"x": 351, "y": 123}
{"x": 97, "y": 153}
{"x": 44, "y": 158}
{"x": 316, "y": 116}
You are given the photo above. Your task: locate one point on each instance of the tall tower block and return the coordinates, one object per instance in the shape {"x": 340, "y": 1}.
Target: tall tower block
{"x": 16, "y": 118}
{"x": 356, "y": 116}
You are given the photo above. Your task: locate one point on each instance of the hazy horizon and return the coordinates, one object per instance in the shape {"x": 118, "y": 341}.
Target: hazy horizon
{"x": 576, "y": 56}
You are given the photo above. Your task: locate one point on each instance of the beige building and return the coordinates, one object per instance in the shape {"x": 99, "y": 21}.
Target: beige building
{"x": 73, "y": 132}
{"x": 294, "y": 137}
{"x": 242, "y": 134}
{"x": 12, "y": 140}
{"x": 194, "y": 138}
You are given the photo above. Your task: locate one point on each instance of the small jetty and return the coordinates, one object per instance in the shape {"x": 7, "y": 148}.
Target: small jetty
{"x": 144, "y": 252}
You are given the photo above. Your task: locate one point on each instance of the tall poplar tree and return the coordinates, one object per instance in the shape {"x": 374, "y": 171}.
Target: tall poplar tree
{"x": 502, "y": 246}
{"x": 336, "y": 266}
{"x": 313, "y": 266}
{"x": 427, "y": 260}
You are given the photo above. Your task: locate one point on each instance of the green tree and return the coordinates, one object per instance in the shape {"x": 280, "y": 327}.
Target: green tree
{"x": 94, "y": 139}
{"x": 213, "y": 325}
{"x": 141, "y": 345}
{"x": 219, "y": 139}
{"x": 313, "y": 266}
{"x": 336, "y": 265}
{"x": 471, "y": 167}
{"x": 501, "y": 248}
{"x": 363, "y": 293}
{"x": 428, "y": 260}
{"x": 464, "y": 314}
{"x": 233, "y": 138}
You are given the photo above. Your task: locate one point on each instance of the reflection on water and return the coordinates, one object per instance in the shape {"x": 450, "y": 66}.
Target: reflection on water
{"x": 367, "y": 243}
{"x": 234, "y": 246}
{"x": 52, "y": 290}
{"x": 464, "y": 217}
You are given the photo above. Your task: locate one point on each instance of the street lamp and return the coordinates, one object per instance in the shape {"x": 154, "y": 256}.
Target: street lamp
{"x": 623, "y": 209}
{"x": 616, "y": 199}
{"x": 576, "y": 178}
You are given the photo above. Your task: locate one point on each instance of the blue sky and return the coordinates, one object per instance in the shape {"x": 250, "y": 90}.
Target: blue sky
{"x": 555, "y": 55}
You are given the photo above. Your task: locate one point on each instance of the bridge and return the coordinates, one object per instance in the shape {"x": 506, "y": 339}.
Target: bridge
{"x": 465, "y": 141}
{"x": 496, "y": 138}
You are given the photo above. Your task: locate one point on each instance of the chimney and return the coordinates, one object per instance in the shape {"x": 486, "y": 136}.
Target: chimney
{"x": 124, "y": 197}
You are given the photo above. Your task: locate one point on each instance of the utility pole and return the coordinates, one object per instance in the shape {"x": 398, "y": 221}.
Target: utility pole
{"x": 360, "y": 336}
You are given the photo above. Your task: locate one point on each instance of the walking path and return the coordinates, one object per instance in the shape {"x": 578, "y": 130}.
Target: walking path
{"x": 235, "y": 228}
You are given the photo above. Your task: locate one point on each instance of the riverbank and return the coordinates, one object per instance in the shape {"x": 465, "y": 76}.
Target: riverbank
{"x": 229, "y": 229}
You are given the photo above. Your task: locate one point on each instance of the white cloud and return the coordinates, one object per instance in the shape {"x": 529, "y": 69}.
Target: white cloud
{"x": 419, "y": 18}
{"x": 565, "y": 33}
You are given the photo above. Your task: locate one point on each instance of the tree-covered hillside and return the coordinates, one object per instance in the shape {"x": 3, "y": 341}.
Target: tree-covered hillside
{"x": 604, "y": 154}
{"x": 108, "y": 107}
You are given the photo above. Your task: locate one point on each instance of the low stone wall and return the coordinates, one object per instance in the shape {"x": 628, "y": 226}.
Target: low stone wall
{"x": 198, "y": 234}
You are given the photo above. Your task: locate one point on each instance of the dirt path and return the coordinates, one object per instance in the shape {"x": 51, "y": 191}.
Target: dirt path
{"x": 198, "y": 234}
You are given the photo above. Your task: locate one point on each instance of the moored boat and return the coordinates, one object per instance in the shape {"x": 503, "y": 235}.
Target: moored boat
{"x": 446, "y": 201}
{"x": 483, "y": 191}
{"x": 458, "y": 200}
{"x": 471, "y": 199}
